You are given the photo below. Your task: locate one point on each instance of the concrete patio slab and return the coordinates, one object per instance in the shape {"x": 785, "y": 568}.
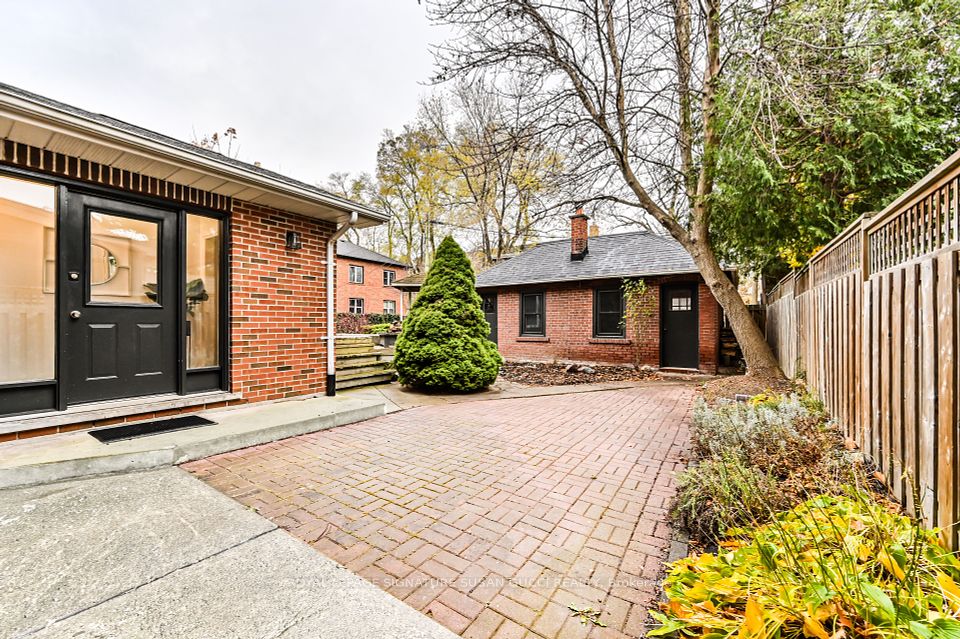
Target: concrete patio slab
{"x": 70, "y": 546}
{"x": 271, "y": 586}
{"x": 71, "y": 455}
{"x": 159, "y": 554}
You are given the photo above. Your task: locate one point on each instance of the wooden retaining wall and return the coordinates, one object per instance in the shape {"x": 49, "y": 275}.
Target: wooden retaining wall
{"x": 872, "y": 323}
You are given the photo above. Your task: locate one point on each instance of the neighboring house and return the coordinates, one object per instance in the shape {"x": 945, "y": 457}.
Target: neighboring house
{"x": 365, "y": 281}
{"x": 141, "y": 275}
{"x": 563, "y": 301}
{"x": 409, "y": 287}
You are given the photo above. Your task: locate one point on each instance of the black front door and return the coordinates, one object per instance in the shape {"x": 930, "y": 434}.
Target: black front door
{"x": 679, "y": 326}
{"x": 490, "y": 313}
{"x": 119, "y": 310}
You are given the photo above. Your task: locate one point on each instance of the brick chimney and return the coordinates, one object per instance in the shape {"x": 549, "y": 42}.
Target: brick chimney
{"x": 578, "y": 235}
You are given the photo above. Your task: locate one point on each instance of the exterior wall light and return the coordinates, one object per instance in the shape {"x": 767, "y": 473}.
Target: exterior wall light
{"x": 294, "y": 242}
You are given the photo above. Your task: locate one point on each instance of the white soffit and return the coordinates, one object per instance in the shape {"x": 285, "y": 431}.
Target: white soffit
{"x": 37, "y": 125}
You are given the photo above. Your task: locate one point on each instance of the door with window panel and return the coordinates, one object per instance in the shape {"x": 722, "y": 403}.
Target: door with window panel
{"x": 679, "y": 326}
{"x": 121, "y": 300}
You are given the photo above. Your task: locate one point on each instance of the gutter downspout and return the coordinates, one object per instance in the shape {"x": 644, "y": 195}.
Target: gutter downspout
{"x": 331, "y": 311}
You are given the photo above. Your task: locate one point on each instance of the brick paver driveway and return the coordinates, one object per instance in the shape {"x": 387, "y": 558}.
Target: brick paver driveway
{"x": 490, "y": 516}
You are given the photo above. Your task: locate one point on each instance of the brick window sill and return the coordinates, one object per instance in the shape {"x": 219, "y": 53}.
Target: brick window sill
{"x": 620, "y": 341}
{"x": 531, "y": 338}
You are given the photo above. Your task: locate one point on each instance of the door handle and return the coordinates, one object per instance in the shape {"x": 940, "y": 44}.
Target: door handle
{"x": 75, "y": 314}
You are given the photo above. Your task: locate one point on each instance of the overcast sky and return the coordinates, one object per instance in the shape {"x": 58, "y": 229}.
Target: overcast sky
{"x": 309, "y": 86}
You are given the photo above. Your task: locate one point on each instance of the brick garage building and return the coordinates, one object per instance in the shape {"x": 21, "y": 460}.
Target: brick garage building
{"x": 365, "y": 281}
{"x": 563, "y": 301}
{"x": 142, "y": 276}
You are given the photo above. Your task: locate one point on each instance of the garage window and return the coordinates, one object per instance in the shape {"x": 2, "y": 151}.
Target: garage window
{"x": 608, "y": 310}
{"x": 532, "y": 316}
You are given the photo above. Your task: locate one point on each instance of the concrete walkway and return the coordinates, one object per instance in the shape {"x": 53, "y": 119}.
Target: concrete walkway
{"x": 490, "y": 516}
{"x": 159, "y": 554}
{"x": 66, "y": 456}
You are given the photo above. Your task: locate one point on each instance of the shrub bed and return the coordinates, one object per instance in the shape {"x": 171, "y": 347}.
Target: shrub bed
{"x": 807, "y": 542}
{"x": 756, "y": 458}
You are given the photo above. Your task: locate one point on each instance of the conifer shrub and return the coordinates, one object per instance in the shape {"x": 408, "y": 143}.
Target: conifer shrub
{"x": 444, "y": 344}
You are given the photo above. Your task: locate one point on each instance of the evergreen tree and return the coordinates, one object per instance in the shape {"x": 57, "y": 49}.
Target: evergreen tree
{"x": 445, "y": 341}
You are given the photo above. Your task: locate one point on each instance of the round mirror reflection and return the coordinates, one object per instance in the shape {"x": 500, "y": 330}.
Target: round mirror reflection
{"x": 103, "y": 265}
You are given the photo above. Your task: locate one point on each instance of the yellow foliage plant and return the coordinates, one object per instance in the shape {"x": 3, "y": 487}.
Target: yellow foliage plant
{"x": 831, "y": 568}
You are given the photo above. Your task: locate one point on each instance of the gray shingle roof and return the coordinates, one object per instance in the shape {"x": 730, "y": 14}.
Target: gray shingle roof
{"x": 171, "y": 142}
{"x": 639, "y": 254}
{"x": 353, "y": 251}
{"x": 411, "y": 282}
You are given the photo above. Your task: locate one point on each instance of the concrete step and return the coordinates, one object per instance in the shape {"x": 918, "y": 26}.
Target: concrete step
{"x": 364, "y": 381}
{"x": 42, "y": 460}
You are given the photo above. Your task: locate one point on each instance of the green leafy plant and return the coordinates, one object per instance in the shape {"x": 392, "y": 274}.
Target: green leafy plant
{"x": 832, "y": 567}
{"x": 376, "y": 328}
{"x": 638, "y": 305}
{"x": 444, "y": 344}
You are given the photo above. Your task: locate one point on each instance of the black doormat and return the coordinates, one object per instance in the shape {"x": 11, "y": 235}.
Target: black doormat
{"x": 153, "y": 427}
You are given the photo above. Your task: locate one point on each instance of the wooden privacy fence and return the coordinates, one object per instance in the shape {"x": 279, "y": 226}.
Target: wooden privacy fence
{"x": 872, "y": 323}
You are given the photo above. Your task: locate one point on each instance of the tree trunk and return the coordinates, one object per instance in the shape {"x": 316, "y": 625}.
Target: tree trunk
{"x": 757, "y": 354}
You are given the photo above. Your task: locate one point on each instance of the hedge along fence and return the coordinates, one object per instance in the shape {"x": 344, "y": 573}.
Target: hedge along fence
{"x": 872, "y": 321}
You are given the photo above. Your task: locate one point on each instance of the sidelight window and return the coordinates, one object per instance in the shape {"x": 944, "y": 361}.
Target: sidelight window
{"x": 28, "y": 270}
{"x": 203, "y": 291}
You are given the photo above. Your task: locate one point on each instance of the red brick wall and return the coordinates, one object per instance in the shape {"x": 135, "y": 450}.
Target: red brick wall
{"x": 709, "y": 329}
{"x": 569, "y": 334}
{"x": 372, "y": 291}
{"x": 578, "y": 233}
{"x": 278, "y": 306}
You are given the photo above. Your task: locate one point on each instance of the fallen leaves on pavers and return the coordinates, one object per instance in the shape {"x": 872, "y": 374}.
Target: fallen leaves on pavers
{"x": 587, "y": 615}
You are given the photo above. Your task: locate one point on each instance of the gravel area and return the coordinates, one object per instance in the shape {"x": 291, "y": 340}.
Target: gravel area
{"x": 543, "y": 374}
